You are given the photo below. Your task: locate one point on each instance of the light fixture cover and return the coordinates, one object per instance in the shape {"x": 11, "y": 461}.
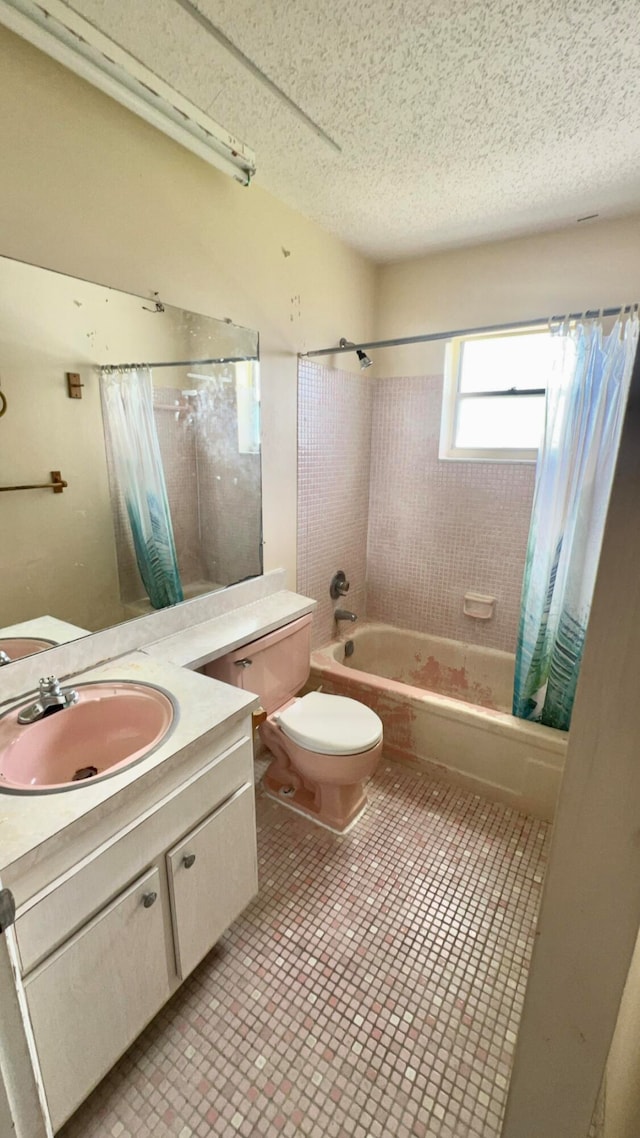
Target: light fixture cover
{"x": 71, "y": 40}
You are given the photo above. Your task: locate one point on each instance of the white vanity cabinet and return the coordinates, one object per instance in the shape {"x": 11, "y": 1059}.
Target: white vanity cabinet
{"x": 103, "y": 946}
{"x": 91, "y": 998}
{"x": 212, "y": 876}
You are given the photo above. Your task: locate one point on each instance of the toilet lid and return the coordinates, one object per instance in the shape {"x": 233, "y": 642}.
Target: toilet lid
{"x": 331, "y": 724}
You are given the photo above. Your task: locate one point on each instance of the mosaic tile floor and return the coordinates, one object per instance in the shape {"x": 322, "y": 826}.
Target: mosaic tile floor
{"x": 373, "y": 988}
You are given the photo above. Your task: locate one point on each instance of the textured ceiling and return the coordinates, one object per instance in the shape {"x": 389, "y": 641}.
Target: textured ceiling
{"x": 458, "y": 120}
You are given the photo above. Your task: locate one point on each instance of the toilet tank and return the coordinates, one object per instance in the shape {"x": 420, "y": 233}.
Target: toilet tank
{"x": 275, "y": 666}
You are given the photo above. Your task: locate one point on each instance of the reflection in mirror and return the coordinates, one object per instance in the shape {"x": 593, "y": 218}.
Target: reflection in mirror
{"x": 84, "y": 548}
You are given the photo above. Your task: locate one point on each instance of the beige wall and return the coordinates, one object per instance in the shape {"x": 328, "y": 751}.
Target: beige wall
{"x": 583, "y": 267}
{"x": 90, "y": 190}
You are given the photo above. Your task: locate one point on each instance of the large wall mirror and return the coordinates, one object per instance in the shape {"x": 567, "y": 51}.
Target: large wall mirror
{"x": 129, "y": 455}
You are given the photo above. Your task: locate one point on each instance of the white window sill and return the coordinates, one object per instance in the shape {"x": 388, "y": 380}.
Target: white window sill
{"x": 528, "y": 458}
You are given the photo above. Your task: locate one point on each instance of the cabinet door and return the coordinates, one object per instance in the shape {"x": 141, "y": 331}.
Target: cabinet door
{"x": 91, "y": 998}
{"x": 213, "y": 874}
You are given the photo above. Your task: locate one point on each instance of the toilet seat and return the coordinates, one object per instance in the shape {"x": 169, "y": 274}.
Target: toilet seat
{"x": 330, "y": 724}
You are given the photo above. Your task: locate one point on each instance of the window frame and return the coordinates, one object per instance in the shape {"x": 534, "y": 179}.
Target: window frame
{"x": 451, "y": 397}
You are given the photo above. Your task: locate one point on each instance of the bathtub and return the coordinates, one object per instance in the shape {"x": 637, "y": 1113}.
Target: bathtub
{"x": 446, "y": 705}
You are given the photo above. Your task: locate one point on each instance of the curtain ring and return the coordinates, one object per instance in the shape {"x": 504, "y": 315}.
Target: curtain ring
{"x": 3, "y": 404}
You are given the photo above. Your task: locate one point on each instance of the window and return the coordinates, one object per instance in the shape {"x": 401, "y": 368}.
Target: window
{"x": 248, "y": 403}
{"x": 494, "y": 394}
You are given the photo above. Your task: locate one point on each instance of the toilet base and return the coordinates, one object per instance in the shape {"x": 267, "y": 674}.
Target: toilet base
{"x": 292, "y": 779}
{"x": 305, "y": 811}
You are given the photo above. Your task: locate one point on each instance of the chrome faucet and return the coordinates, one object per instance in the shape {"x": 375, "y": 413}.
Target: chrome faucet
{"x": 344, "y": 614}
{"x": 4, "y": 659}
{"x": 52, "y": 698}
{"x": 339, "y": 586}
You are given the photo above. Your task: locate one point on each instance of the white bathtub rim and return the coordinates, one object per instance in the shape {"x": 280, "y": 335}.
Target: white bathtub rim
{"x": 379, "y": 626}
{"x": 536, "y": 735}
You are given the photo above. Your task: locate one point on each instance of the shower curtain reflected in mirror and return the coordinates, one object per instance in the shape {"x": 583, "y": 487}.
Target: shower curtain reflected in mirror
{"x": 586, "y": 400}
{"x": 127, "y": 397}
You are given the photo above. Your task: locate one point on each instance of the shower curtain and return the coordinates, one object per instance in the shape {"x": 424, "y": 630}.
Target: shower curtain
{"x": 586, "y": 399}
{"x": 127, "y": 396}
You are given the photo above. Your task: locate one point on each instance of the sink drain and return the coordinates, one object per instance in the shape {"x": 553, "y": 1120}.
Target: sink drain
{"x": 84, "y": 772}
{"x": 287, "y": 791}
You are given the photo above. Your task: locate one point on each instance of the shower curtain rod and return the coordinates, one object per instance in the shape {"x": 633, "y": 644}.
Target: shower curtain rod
{"x": 178, "y": 363}
{"x": 431, "y": 337}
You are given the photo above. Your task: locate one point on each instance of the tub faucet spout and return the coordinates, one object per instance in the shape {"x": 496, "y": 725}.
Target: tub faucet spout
{"x": 344, "y": 614}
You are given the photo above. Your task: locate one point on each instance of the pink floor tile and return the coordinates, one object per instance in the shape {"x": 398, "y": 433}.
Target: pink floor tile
{"x": 373, "y": 988}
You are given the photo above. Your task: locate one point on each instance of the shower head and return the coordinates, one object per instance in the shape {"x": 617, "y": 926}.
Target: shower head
{"x": 365, "y": 360}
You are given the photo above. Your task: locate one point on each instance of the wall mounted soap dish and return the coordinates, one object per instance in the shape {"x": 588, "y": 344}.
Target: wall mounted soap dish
{"x": 479, "y": 606}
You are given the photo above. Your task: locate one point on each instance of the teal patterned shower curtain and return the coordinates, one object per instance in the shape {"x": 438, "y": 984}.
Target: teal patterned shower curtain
{"x": 127, "y": 399}
{"x": 586, "y": 399}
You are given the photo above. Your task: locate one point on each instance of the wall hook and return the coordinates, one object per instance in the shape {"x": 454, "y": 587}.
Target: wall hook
{"x": 74, "y": 385}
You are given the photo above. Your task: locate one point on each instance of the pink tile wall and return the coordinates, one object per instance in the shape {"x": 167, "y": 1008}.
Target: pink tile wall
{"x": 214, "y": 493}
{"x": 375, "y": 500}
{"x": 438, "y": 529}
{"x": 177, "y": 441}
{"x": 334, "y": 440}
{"x": 228, "y": 488}
{"x": 177, "y": 448}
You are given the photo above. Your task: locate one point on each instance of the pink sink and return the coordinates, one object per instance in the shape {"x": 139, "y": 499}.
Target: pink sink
{"x": 113, "y": 724}
{"x": 18, "y": 646}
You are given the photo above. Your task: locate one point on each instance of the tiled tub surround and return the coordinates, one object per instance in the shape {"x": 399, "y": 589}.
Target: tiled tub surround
{"x": 177, "y": 440}
{"x": 334, "y": 448}
{"x": 418, "y": 531}
{"x": 374, "y": 988}
{"x": 444, "y": 704}
{"x": 213, "y": 492}
{"x": 439, "y": 528}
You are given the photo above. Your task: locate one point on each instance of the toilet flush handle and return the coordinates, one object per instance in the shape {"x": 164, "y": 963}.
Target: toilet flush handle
{"x": 245, "y": 663}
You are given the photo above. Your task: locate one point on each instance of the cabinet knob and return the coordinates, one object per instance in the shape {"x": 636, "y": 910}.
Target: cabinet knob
{"x": 149, "y": 899}
{"x": 188, "y": 860}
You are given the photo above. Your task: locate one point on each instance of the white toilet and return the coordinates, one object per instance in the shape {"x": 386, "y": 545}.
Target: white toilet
{"x": 324, "y": 747}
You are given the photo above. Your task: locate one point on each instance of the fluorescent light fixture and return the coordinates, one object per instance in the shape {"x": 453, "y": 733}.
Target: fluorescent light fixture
{"x": 71, "y": 40}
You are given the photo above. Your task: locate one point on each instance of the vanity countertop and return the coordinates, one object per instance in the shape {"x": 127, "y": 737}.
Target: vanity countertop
{"x": 33, "y": 827}
{"x": 46, "y": 628}
{"x": 195, "y": 646}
